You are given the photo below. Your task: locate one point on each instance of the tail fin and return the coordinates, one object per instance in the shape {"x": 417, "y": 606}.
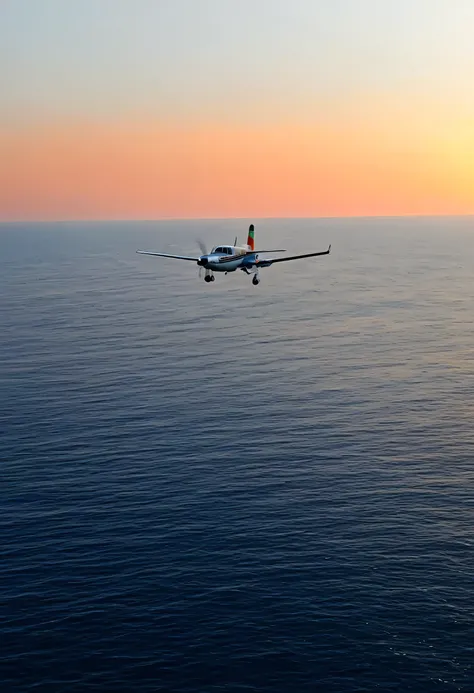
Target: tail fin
{"x": 251, "y": 238}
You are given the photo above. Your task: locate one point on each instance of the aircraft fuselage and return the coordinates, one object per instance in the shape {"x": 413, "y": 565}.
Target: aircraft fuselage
{"x": 228, "y": 259}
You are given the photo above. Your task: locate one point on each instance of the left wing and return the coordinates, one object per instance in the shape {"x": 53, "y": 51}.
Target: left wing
{"x": 176, "y": 257}
{"x": 267, "y": 263}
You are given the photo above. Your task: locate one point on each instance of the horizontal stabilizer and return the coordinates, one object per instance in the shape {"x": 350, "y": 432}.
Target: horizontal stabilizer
{"x": 255, "y": 252}
{"x": 271, "y": 261}
{"x": 300, "y": 257}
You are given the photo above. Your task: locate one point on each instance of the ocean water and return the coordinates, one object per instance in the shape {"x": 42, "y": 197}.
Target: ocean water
{"x": 234, "y": 488}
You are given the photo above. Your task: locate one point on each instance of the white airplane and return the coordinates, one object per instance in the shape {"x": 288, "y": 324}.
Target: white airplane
{"x": 228, "y": 258}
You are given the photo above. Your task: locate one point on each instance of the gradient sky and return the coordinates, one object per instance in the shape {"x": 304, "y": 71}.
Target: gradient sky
{"x": 146, "y": 109}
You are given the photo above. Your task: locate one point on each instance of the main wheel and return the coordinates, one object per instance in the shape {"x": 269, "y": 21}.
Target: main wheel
{"x": 255, "y": 281}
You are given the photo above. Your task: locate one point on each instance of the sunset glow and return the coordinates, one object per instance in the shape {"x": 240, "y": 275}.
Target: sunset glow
{"x": 388, "y": 151}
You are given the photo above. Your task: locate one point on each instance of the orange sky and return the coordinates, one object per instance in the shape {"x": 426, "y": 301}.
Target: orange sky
{"x": 148, "y": 110}
{"x": 152, "y": 171}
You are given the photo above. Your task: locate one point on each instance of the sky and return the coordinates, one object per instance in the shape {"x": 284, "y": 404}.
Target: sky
{"x": 151, "y": 109}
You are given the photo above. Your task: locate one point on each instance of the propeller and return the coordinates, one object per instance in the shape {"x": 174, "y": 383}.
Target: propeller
{"x": 202, "y": 246}
{"x": 203, "y": 250}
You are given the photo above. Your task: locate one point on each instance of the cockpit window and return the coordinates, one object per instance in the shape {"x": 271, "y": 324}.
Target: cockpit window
{"x": 223, "y": 250}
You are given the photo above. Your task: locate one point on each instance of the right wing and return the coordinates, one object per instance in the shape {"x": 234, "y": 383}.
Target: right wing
{"x": 176, "y": 257}
{"x": 271, "y": 261}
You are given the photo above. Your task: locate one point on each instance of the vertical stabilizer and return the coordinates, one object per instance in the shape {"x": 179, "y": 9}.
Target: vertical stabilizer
{"x": 251, "y": 238}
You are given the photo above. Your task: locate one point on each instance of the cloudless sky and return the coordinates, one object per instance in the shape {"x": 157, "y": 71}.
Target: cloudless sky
{"x": 209, "y": 108}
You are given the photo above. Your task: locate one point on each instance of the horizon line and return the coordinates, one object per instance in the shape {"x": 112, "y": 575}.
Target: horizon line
{"x": 225, "y": 218}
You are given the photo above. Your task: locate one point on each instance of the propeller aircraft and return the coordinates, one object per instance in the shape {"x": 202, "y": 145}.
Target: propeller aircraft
{"x": 229, "y": 258}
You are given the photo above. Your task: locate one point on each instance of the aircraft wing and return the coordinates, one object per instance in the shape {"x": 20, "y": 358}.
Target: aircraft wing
{"x": 176, "y": 257}
{"x": 271, "y": 261}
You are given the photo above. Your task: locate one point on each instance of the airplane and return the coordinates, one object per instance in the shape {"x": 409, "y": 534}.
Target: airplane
{"x": 229, "y": 258}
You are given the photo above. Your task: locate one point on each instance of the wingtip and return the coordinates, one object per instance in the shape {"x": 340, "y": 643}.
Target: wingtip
{"x": 329, "y": 249}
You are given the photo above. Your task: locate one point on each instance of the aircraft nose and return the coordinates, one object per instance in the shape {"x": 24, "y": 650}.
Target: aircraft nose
{"x": 202, "y": 261}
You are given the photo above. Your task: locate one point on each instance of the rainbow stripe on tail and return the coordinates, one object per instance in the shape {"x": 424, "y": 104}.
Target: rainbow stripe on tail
{"x": 251, "y": 238}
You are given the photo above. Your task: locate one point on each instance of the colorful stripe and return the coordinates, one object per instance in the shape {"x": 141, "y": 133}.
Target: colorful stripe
{"x": 251, "y": 237}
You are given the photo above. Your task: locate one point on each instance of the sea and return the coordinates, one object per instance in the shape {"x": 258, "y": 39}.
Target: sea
{"x": 227, "y": 487}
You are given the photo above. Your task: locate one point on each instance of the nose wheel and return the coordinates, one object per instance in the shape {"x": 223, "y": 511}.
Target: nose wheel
{"x": 209, "y": 278}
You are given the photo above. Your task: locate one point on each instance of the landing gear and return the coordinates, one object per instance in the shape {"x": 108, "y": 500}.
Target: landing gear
{"x": 209, "y": 278}
{"x": 255, "y": 275}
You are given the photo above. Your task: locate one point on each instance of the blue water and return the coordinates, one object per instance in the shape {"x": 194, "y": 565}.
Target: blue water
{"x": 234, "y": 488}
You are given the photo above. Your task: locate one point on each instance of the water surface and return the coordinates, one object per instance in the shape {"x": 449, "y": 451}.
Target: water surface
{"x": 228, "y": 487}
